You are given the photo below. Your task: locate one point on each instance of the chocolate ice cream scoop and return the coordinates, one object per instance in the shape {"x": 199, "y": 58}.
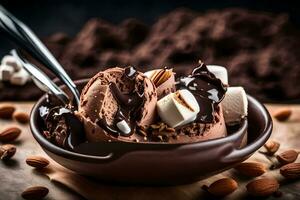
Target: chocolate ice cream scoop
{"x": 114, "y": 102}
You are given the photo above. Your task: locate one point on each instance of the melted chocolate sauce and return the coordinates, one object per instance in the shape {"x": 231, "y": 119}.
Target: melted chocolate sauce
{"x": 207, "y": 89}
{"x": 62, "y": 125}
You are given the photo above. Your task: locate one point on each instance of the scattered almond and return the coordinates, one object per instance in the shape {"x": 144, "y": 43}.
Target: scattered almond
{"x": 9, "y": 134}
{"x": 262, "y": 187}
{"x": 252, "y": 169}
{"x": 283, "y": 114}
{"x": 286, "y": 157}
{"x": 6, "y": 111}
{"x": 38, "y": 162}
{"x": 7, "y": 151}
{"x": 291, "y": 171}
{"x": 21, "y": 117}
{"x": 271, "y": 147}
{"x": 223, "y": 187}
{"x": 36, "y": 192}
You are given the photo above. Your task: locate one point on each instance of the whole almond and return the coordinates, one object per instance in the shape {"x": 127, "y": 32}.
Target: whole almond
{"x": 290, "y": 171}
{"x": 6, "y": 111}
{"x": 161, "y": 76}
{"x": 271, "y": 147}
{"x": 38, "y": 162}
{"x": 21, "y": 117}
{"x": 7, "y": 151}
{"x": 223, "y": 187}
{"x": 283, "y": 114}
{"x": 9, "y": 134}
{"x": 286, "y": 157}
{"x": 36, "y": 192}
{"x": 262, "y": 187}
{"x": 252, "y": 169}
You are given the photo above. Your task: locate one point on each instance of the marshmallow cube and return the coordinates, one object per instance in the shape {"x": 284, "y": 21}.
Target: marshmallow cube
{"x": 178, "y": 108}
{"x": 235, "y": 105}
{"x": 20, "y": 77}
{"x": 123, "y": 127}
{"x": 11, "y": 61}
{"x": 220, "y": 72}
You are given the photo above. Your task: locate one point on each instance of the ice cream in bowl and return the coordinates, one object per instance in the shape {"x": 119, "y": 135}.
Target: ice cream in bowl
{"x": 152, "y": 127}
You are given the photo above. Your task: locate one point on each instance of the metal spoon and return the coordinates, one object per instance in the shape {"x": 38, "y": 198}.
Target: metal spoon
{"x": 41, "y": 79}
{"x": 24, "y": 37}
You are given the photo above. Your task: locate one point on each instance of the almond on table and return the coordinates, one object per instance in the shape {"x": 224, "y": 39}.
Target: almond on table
{"x": 251, "y": 169}
{"x": 35, "y": 192}
{"x": 288, "y": 156}
{"x": 283, "y": 114}
{"x": 38, "y": 162}
{"x": 291, "y": 171}
{"x": 21, "y": 117}
{"x": 9, "y": 134}
{"x": 271, "y": 147}
{"x": 223, "y": 187}
{"x": 262, "y": 187}
{"x": 7, "y": 151}
{"x": 6, "y": 111}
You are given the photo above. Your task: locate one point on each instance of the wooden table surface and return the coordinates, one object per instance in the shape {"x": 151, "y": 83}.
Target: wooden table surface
{"x": 16, "y": 176}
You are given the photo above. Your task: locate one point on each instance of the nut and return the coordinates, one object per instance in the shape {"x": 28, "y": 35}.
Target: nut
{"x": 7, "y": 151}
{"x": 283, "y": 114}
{"x": 290, "y": 171}
{"x": 161, "y": 76}
{"x": 223, "y": 187}
{"x": 21, "y": 117}
{"x": 262, "y": 187}
{"x": 6, "y": 111}
{"x": 252, "y": 169}
{"x": 38, "y": 162}
{"x": 272, "y": 147}
{"x": 9, "y": 134}
{"x": 36, "y": 192}
{"x": 286, "y": 157}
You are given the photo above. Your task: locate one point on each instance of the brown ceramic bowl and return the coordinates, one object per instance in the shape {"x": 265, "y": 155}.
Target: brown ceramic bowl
{"x": 162, "y": 163}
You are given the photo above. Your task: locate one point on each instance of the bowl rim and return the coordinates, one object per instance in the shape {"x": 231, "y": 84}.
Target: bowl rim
{"x": 48, "y": 146}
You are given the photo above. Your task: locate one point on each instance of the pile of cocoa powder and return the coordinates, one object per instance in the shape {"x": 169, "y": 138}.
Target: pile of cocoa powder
{"x": 259, "y": 49}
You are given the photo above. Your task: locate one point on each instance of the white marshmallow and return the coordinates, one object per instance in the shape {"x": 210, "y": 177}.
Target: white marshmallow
{"x": 235, "y": 105}
{"x": 124, "y": 127}
{"x": 6, "y": 72}
{"x": 176, "y": 111}
{"x": 20, "y": 77}
{"x": 11, "y": 61}
{"x": 220, "y": 72}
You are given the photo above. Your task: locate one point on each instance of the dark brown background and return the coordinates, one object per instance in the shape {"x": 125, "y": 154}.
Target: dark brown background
{"x": 258, "y": 43}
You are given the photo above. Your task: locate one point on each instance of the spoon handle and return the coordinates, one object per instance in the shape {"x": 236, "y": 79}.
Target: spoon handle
{"x": 41, "y": 79}
{"x": 23, "y": 36}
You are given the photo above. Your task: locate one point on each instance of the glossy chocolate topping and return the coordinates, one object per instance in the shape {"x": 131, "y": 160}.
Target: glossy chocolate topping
{"x": 62, "y": 126}
{"x": 208, "y": 90}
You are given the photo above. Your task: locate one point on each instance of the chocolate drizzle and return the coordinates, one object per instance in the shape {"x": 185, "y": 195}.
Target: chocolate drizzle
{"x": 207, "y": 89}
{"x": 63, "y": 127}
{"x": 128, "y": 104}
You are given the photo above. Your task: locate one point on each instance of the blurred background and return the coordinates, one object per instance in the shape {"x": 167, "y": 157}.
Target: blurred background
{"x": 258, "y": 41}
